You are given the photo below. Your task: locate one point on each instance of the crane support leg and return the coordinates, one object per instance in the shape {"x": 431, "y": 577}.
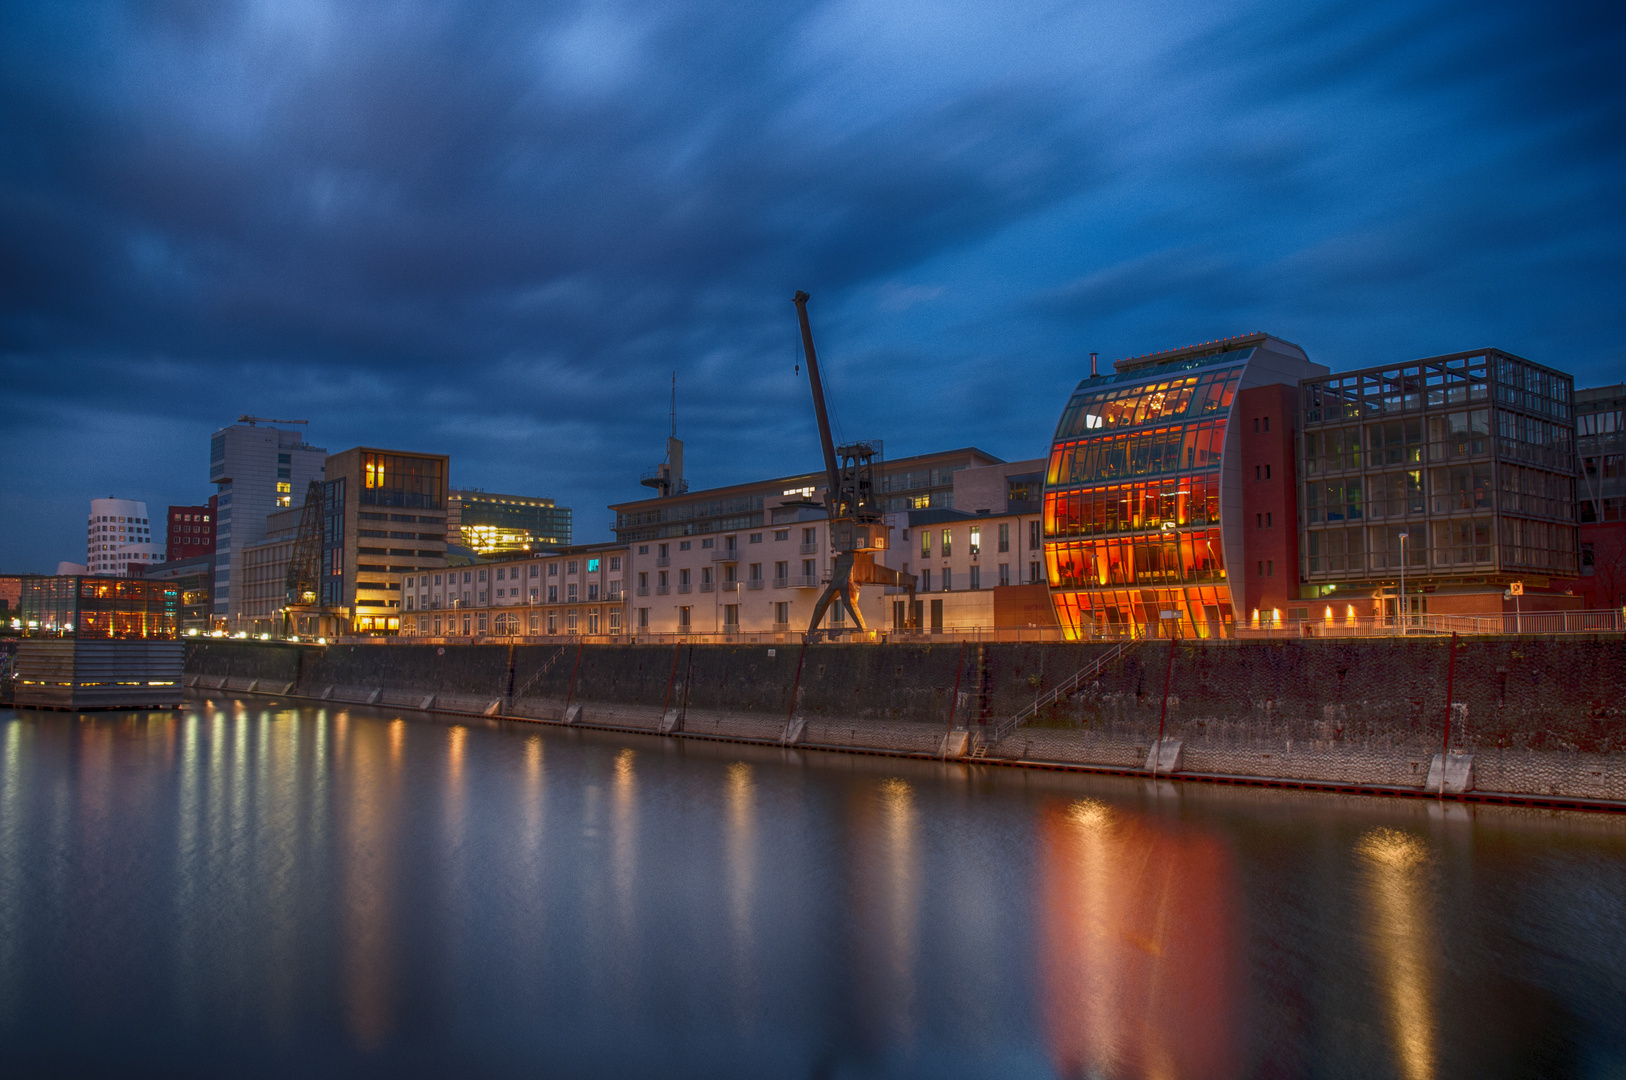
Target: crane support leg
{"x": 842, "y": 589}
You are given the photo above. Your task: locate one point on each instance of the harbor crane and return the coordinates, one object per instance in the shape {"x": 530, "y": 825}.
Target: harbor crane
{"x": 858, "y": 528}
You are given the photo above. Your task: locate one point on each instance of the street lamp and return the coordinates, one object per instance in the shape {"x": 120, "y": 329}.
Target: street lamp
{"x": 1402, "y": 604}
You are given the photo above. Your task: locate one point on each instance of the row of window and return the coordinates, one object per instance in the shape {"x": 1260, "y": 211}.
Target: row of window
{"x": 1166, "y": 559}
{"x": 1144, "y": 453}
{"x": 1442, "y": 544}
{"x": 1192, "y": 396}
{"x": 1467, "y": 486}
{"x": 1157, "y": 505}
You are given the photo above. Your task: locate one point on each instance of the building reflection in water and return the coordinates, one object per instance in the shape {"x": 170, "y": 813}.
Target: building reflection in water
{"x": 369, "y": 815}
{"x": 1137, "y": 939}
{"x": 1404, "y": 944}
{"x": 741, "y": 871}
{"x": 886, "y": 906}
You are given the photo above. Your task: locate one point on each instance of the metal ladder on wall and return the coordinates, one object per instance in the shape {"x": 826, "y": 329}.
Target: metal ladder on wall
{"x": 1066, "y": 688}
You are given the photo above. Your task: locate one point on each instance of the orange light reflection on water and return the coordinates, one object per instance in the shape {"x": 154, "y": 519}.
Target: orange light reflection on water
{"x": 1138, "y": 953}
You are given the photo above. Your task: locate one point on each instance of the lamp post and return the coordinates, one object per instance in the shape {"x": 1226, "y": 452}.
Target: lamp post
{"x": 1402, "y": 604}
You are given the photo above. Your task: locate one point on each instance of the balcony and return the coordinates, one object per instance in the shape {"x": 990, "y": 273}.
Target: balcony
{"x": 781, "y": 627}
{"x": 643, "y": 590}
{"x": 805, "y": 583}
{"x": 729, "y": 586}
{"x": 753, "y": 583}
{"x": 664, "y": 560}
{"x": 663, "y": 590}
{"x": 684, "y": 587}
{"x": 726, "y": 554}
{"x": 708, "y": 586}
{"x": 809, "y": 549}
{"x": 781, "y": 582}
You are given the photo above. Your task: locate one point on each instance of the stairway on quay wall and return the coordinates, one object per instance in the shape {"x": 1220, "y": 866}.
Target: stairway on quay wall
{"x": 1541, "y": 717}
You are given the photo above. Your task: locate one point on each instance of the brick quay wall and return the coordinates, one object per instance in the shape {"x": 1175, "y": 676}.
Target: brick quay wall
{"x": 1542, "y": 717}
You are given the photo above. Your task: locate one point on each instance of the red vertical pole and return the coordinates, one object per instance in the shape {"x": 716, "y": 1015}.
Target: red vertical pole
{"x": 1450, "y": 687}
{"x": 1168, "y": 679}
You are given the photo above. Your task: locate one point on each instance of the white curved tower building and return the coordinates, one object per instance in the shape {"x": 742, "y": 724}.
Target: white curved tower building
{"x": 119, "y": 534}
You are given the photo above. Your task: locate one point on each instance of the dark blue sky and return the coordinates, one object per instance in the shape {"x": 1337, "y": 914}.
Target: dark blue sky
{"x": 494, "y": 229}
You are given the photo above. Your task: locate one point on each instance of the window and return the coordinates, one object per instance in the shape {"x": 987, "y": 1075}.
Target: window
{"x": 643, "y": 549}
{"x": 1034, "y": 538}
{"x": 731, "y": 617}
{"x": 570, "y": 568}
{"x": 1004, "y": 573}
{"x": 810, "y": 536}
{"x": 553, "y": 594}
{"x": 683, "y": 617}
{"x": 781, "y": 613}
{"x": 1035, "y": 573}
{"x": 948, "y": 544}
{"x": 570, "y": 621}
{"x": 592, "y": 566}
{"x": 615, "y": 621}
{"x": 553, "y": 622}
{"x": 756, "y": 538}
{"x": 976, "y": 542}
{"x": 683, "y": 545}
{"x": 500, "y": 573}
{"x": 643, "y": 618}
{"x": 534, "y": 569}
{"x": 976, "y": 577}
{"x": 948, "y": 579}
{"x": 781, "y": 534}
{"x": 570, "y": 592}
{"x": 615, "y": 562}
{"x": 708, "y": 542}
{"x": 1004, "y": 536}
{"x": 925, "y": 543}
{"x": 926, "y": 579}
{"x": 553, "y": 569}
{"x": 592, "y": 591}
{"x": 482, "y": 576}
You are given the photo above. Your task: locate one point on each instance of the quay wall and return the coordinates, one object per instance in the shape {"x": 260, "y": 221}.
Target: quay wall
{"x": 1542, "y": 716}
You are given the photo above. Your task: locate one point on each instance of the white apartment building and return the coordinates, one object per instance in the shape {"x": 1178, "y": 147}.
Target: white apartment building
{"x": 576, "y": 591}
{"x": 977, "y": 567}
{"x": 257, "y": 470}
{"x": 118, "y": 534}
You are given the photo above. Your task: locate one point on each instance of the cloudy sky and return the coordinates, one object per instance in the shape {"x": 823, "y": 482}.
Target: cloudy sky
{"x": 495, "y": 229}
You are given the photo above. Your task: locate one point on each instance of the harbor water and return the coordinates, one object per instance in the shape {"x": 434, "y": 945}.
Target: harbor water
{"x": 247, "y": 888}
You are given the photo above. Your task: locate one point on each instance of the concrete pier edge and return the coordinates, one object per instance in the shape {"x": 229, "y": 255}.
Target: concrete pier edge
{"x": 1532, "y": 800}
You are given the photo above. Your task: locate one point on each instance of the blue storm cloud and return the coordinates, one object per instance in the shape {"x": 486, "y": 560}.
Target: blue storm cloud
{"x": 495, "y": 229}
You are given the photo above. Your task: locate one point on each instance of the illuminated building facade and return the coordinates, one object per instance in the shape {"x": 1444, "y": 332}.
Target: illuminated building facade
{"x": 191, "y": 532}
{"x": 1462, "y": 465}
{"x": 90, "y": 607}
{"x": 384, "y": 515}
{"x": 1155, "y": 475}
{"x": 256, "y": 470}
{"x": 492, "y": 524}
{"x": 118, "y": 534}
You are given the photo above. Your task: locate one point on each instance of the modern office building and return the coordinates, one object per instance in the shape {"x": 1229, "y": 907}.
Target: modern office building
{"x": 117, "y": 534}
{"x": 492, "y": 524}
{"x": 195, "y": 578}
{"x": 265, "y": 573}
{"x": 1600, "y": 446}
{"x": 1169, "y": 493}
{"x": 257, "y": 470}
{"x": 191, "y": 531}
{"x": 1459, "y": 468}
{"x": 384, "y": 516}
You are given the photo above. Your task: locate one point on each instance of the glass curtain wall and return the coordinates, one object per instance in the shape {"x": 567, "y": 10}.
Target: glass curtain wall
{"x": 1132, "y": 502}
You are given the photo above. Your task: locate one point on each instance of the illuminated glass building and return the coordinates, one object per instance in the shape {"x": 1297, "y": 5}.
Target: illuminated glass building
{"x": 1168, "y": 500}
{"x": 493, "y": 524}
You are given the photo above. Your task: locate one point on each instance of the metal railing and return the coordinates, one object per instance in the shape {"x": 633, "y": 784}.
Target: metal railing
{"x": 1609, "y": 620}
{"x": 1001, "y": 728}
{"x": 808, "y": 549}
{"x": 753, "y": 583}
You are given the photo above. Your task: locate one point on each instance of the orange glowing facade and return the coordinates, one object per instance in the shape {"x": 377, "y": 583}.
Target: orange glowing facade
{"x": 1143, "y": 505}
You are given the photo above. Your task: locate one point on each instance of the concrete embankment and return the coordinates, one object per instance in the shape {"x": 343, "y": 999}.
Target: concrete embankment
{"x": 1541, "y": 719}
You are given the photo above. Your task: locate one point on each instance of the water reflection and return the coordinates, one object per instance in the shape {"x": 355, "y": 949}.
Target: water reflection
{"x": 268, "y": 892}
{"x": 1135, "y": 946}
{"x": 740, "y": 865}
{"x": 1404, "y": 944}
{"x": 886, "y": 907}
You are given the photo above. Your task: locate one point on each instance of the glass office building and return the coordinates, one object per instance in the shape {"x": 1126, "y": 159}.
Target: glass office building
{"x": 88, "y": 607}
{"x": 1462, "y": 467}
{"x": 493, "y": 524}
{"x": 1143, "y": 497}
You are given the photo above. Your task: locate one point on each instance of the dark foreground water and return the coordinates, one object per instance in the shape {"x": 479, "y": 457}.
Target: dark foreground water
{"x": 239, "y": 889}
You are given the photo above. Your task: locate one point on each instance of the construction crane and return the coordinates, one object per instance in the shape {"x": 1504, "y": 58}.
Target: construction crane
{"x": 858, "y": 528}
{"x": 252, "y": 420}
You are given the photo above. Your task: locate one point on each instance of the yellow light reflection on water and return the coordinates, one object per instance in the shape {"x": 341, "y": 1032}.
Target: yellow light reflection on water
{"x": 1404, "y": 944}
{"x": 741, "y": 847}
